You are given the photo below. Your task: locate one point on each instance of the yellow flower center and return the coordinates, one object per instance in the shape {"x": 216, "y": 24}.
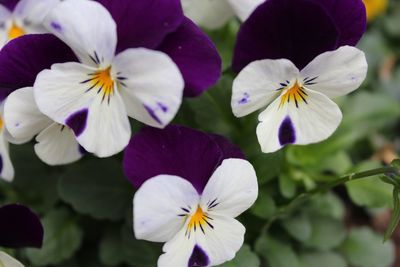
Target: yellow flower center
{"x": 1, "y": 123}
{"x": 198, "y": 221}
{"x": 101, "y": 81}
{"x": 375, "y": 8}
{"x": 295, "y": 94}
{"x": 15, "y": 31}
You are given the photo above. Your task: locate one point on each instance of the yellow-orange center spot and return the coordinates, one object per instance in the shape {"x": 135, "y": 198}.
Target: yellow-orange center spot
{"x": 15, "y": 31}
{"x": 102, "y": 80}
{"x": 198, "y": 219}
{"x": 1, "y": 123}
{"x": 296, "y": 94}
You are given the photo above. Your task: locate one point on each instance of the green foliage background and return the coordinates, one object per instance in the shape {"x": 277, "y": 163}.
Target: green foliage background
{"x": 87, "y": 206}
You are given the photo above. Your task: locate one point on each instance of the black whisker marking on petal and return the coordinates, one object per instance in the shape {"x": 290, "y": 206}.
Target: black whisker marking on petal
{"x": 185, "y": 210}
{"x": 97, "y": 57}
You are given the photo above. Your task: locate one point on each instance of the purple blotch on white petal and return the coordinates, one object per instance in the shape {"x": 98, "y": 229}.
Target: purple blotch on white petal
{"x": 245, "y": 99}
{"x": 152, "y": 113}
{"x": 56, "y": 26}
{"x": 199, "y": 258}
{"x": 77, "y": 121}
{"x": 287, "y": 133}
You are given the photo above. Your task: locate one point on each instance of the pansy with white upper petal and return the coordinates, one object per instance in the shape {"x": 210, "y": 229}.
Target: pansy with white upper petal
{"x": 188, "y": 205}
{"x": 96, "y": 96}
{"x": 213, "y": 14}
{"x": 6, "y": 167}
{"x": 299, "y": 107}
{"x": 56, "y": 142}
{"x": 24, "y": 18}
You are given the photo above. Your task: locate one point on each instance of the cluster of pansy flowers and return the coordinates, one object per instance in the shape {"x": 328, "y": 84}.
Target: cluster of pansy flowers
{"x": 73, "y": 71}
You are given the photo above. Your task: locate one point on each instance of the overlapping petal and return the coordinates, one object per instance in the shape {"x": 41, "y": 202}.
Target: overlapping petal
{"x": 8, "y": 261}
{"x": 23, "y": 58}
{"x": 195, "y": 55}
{"x": 306, "y": 29}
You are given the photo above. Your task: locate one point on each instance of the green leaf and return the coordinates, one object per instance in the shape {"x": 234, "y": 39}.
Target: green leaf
{"x": 62, "y": 238}
{"x": 326, "y": 233}
{"x": 370, "y": 192}
{"x": 276, "y": 252}
{"x": 97, "y": 187}
{"x": 111, "y": 248}
{"x": 298, "y": 226}
{"x": 364, "y": 248}
{"x": 326, "y": 259}
{"x": 244, "y": 258}
{"x": 287, "y": 186}
{"x": 327, "y": 205}
{"x": 394, "y": 221}
{"x": 264, "y": 206}
{"x": 137, "y": 253}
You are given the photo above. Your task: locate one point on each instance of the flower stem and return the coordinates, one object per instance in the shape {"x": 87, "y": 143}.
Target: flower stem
{"x": 284, "y": 210}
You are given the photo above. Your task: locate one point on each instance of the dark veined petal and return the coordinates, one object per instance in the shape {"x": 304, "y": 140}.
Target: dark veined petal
{"x": 19, "y": 227}
{"x": 298, "y": 30}
{"x": 195, "y": 55}
{"x": 24, "y": 57}
{"x": 176, "y": 150}
{"x": 144, "y": 23}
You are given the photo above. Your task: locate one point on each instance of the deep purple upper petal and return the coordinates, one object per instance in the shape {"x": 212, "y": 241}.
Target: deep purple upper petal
{"x": 176, "y": 150}
{"x": 10, "y": 4}
{"x": 19, "y": 227}
{"x": 196, "y": 56}
{"x": 298, "y": 30}
{"x": 144, "y": 23}
{"x": 24, "y": 57}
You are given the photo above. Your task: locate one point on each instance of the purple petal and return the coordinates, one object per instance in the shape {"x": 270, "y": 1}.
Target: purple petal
{"x": 77, "y": 121}
{"x": 198, "y": 258}
{"x": 144, "y": 23}
{"x": 306, "y": 29}
{"x": 196, "y": 57}
{"x": 9, "y": 4}
{"x": 24, "y": 57}
{"x": 287, "y": 133}
{"x": 19, "y": 227}
{"x": 176, "y": 150}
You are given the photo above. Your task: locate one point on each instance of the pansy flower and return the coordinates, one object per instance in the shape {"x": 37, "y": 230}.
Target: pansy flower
{"x": 23, "y": 120}
{"x": 22, "y": 17}
{"x": 19, "y": 227}
{"x": 192, "y": 186}
{"x": 213, "y": 14}
{"x": 113, "y": 80}
{"x": 294, "y": 72}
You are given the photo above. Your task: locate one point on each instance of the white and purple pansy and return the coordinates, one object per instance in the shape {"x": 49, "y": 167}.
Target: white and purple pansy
{"x": 137, "y": 66}
{"x": 213, "y": 14}
{"x": 297, "y": 96}
{"x": 23, "y": 17}
{"x": 6, "y": 167}
{"x": 19, "y": 228}
{"x": 191, "y": 187}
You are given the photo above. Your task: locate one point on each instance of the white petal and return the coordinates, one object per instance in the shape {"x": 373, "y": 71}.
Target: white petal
{"x": 257, "y": 84}
{"x": 31, "y": 14}
{"x": 57, "y": 145}
{"x": 232, "y": 188}
{"x": 157, "y": 206}
{"x": 8, "y": 261}
{"x": 6, "y": 167}
{"x": 65, "y": 94}
{"x": 87, "y": 27}
{"x": 338, "y": 72}
{"x": 223, "y": 242}
{"x": 151, "y": 85}
{"x": 211, "y": 14}
{"x": 177, "y": 251}
{"x": 244, "y": 8}
{"x": 283, "y": 123}
{"x": 22, "y": 117}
